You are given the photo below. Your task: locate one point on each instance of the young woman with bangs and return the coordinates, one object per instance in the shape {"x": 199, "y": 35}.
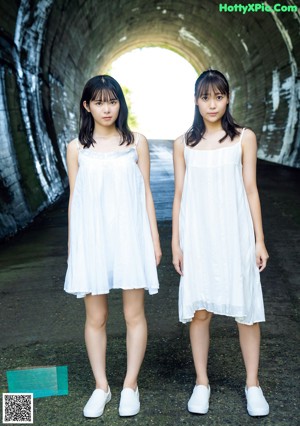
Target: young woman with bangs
{"x": 218, "y": 241}
{"x": 113, "y": 235}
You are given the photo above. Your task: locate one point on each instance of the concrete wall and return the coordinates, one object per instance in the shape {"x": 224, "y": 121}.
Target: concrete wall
{"x": 49, "y": 48}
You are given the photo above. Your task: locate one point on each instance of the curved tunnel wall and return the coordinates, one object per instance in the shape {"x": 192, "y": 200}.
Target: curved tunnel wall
{"x": 49, "y": 48}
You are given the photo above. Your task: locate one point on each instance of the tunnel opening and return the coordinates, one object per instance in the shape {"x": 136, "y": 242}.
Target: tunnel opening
{"x": 50, "y": 48}
{"x": 160, "y": 110}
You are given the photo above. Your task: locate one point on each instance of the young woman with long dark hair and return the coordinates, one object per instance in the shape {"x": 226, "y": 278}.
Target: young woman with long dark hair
{"x": 218, "y": 241}
{"x": 113, "y": 235}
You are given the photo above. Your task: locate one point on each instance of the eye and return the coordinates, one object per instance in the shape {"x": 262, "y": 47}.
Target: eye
{"x": 220, "y": 97}
{"x": 204, "y": 98}
{"x": 113, "y": 102}
{"x": 99, "y": 102}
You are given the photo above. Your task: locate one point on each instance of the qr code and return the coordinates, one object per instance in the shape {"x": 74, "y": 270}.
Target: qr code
{"x": 17, "y": 408}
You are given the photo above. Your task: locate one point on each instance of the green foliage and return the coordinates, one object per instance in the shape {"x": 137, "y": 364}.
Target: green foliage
{"x": 132, "y": 118}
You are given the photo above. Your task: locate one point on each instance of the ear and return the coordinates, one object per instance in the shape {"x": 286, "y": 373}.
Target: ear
{"x": 86, "y": 106}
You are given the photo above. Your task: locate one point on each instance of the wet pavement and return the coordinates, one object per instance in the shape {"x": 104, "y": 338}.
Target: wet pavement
{"x": 41, "y": 325}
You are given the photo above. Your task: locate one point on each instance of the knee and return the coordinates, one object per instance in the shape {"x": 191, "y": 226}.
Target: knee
{"x": 202, "y": 316}
{"x": 134, "y": 317}
{"x": 97, "y": 321}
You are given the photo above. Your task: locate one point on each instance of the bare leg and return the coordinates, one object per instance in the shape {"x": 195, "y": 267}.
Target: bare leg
{"x": 199, "y": 336}
{"x": 136, "y": 339}
{"x": 250, "y": 344}
{"x": 95, "y": 337}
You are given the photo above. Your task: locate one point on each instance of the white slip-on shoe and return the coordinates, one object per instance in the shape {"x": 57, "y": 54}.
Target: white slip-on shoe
{"x": 256, "y": 402}
{"x": 199, "y": 401}
{"x": 129, "y": 402}
{"x": 96, "y": 404}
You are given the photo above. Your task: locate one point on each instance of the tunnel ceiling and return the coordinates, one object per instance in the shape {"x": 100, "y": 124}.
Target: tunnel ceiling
{"x": 49, "y": 48}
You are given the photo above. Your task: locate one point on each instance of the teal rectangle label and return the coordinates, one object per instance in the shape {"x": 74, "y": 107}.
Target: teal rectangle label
{"x": 42, "y": 382}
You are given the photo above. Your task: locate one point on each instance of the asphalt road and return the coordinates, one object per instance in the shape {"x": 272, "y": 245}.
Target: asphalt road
{"x": 41, "y": 325}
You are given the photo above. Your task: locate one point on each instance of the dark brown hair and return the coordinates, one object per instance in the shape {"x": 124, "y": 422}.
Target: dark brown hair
{"x": 104, "y": 88}
{"x": 217, "y": 81}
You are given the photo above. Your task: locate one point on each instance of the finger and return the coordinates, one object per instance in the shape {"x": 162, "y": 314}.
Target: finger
{"x": 181, "y": 266}
{"x": 261, "y": 268}
{"x": 177, "y": 268}
{"x": 258, "y": 261}
{"x": 263, "y": 264}
{"x": 158, "y": 259}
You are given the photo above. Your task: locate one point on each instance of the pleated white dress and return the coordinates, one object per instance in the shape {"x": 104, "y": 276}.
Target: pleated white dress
{"x": 217, "y": 238}
{"x": 110, "y": 239}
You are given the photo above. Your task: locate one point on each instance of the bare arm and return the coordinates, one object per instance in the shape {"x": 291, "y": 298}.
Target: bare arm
{"x": 72, "y": 164}
{"x": 144, "y": 165}
{"x": 249, "y": 158}
{"x": 179, "y": 173}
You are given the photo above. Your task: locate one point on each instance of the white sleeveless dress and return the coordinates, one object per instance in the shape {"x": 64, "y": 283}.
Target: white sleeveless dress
{"x": 110, "y": 238}
{"x": 217, "y": 238}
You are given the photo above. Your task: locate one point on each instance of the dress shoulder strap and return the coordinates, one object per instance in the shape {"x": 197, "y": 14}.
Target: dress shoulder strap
{"x": 242, "y": 133}
{"x": 136, "y": 139}
{"x": 79, "y": 146}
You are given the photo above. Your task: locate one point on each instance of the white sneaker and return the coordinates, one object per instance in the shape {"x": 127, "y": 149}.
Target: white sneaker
{"x": 96, "y": 404}
{"x": 199, "y": 401}
{"x": 129, "y": 402}
{"x": 256, "y": 402}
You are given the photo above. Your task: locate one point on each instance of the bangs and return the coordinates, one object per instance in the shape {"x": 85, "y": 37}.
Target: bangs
{"x": 214, "y": 83}
{"x": 104, "y": 94}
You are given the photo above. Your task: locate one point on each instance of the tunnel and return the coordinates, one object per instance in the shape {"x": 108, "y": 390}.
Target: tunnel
{"x": 49, "y": 48}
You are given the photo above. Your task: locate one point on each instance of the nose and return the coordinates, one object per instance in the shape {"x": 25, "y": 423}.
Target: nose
{"x": 106, "y": 107}
{"x": 212, "y": 104}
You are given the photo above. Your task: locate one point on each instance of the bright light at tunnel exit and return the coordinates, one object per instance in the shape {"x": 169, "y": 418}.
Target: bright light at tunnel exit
{"x": 161, "y": 85}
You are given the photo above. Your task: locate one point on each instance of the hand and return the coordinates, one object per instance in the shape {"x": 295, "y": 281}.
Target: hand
{"x": 261, "y": 255}
{"x": 178, "y": 260}
{"x": 157, "y": 253}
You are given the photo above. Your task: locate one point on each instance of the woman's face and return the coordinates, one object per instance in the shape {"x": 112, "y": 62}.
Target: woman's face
{"x": 104, "y": 112}
{"x": 212, "y": 105}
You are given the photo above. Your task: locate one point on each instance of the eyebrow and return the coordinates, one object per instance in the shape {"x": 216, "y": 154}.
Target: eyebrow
{"x": 215, "y": 93}
{"x": 107, "y": 100}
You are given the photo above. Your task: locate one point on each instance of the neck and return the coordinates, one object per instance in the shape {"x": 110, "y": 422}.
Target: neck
{"x": 105, "y": 132}
{"x": 213, "y": 127}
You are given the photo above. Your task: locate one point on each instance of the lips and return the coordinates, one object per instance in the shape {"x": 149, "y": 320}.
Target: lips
{"x": 107, "y": 118}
